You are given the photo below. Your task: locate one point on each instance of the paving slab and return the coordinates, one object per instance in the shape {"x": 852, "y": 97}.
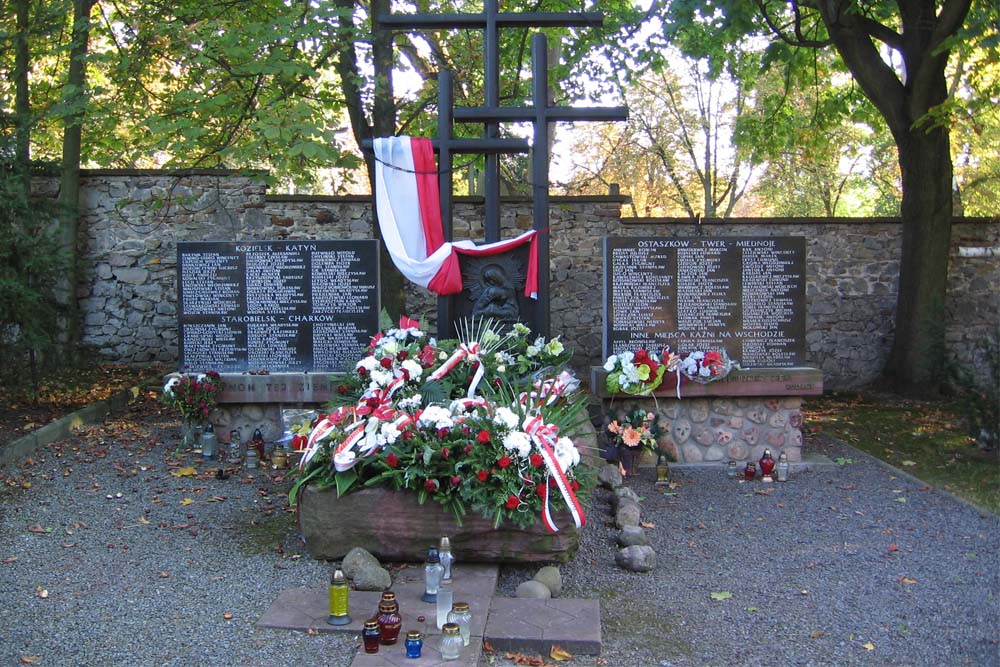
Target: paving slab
{"x": 519, "y": 624}
{"x": 395, "y": 656}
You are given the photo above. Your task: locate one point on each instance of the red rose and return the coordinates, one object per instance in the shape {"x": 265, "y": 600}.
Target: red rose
{"x": 536, "y": 460}
{"x": 362, "y": 370}
{"x": 468, "y": 449}
{"x": 552, "y": 482}
{"x": 574, "y": 485}
{"x": 484, "y": 436}
{"x": 386, "y": 362}
{"x": 409, "y": 435}
{"x": 466, "y": 430}
{"x": 445, "y": 453}
{"x": 456, "y": 481}
{"x": 431, "y": 485}
{"x": 541, "y": 490}
{"x": 512, "y": 502}
{"x": 392, "y": 460}
{"x": 443, "y": 432}
{"x": 503, "y": 461}
{"x": 341, "y": 389}
{"x": 402, "y": 355}
{"x": 483, "y": 475}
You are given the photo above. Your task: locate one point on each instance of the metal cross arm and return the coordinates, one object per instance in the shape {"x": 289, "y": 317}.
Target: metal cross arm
{"x": 552, "y": 114}
{"x": 483, "y": 19}
{"x": 473, "y": 145}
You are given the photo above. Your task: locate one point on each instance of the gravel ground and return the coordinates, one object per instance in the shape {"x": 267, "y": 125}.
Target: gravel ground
{"x": 844, "y": 565}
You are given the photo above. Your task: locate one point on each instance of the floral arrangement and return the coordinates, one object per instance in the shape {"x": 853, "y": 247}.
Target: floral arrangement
{"x": 193, "y": 395}
{"x": 706, "y": 367}
{"x": 482, "y": 423}
{"x": 637, "y": 429}
{"x": 638, "y": 373}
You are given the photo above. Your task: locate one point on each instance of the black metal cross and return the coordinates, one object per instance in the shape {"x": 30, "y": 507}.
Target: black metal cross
{"x": 491, "y": 114}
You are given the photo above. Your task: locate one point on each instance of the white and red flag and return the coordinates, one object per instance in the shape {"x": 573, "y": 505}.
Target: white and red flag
{"x": 409, "y": 215}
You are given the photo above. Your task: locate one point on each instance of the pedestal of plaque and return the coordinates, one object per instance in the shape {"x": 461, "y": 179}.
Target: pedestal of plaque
{"x": 735, "y": 418}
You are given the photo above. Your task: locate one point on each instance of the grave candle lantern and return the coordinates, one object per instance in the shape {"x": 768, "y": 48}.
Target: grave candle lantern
{"x": 446, "y": 558}
{"x": 258, "y": 443}
{"x": 461, "y": 615}
{"x": 235, "y": 447}
{"x": 750, "y": 471}
{"x": 209, "y": 443}
{"x": 371, "y": 636}
{"x": 766, "y": 466}
{"x": 433, "y": 572}
{"x": 389, "y": 620}
{"x": 414, "y": 644}
{"x": 339, "y": 596}
{"x": 451, "y": 642}
{"x": 783, "y": 467}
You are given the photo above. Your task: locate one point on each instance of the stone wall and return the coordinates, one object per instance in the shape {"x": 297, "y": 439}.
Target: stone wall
{"x": 132, "y": 221}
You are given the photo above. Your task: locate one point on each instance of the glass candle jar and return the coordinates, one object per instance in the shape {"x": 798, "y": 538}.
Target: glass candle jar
{"x": 257, "y": 442}
{"x": 444, "y": 599}
{"x": 451, "y": 642}
{"x": 339, "y": 595}
{"x": 783, "y": 467}
{"x": 389, "y": 620}
{"x": 461, "y": 615}
{"x": 251, "y": 459}
{"x": 766, "y": 464}
{"x": 433, "y": 573}
{"x": 370, "y": 636}
{"x": 446, "y": 558}
{"x": 414, "y": 644}
{"x": 235, "y": 447}
{"x": 750, "y": 471}
{"x": 731, "y": 470}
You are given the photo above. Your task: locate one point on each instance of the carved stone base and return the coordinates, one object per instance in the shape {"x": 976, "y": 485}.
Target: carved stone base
{"x": 392, "y": 526}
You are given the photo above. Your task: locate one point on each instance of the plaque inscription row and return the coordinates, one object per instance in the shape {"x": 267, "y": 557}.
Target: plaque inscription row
{"x": 276, "y": 305}
{"x": 742, "y": 294}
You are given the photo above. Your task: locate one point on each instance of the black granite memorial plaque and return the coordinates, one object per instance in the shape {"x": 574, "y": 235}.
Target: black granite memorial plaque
{"x": 744, "y": 294}
{"x": 276, "y": 305}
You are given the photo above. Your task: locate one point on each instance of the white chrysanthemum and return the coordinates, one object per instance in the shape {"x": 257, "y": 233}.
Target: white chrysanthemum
{"x": 436, "y": 416}
{"x": 626, "y": 358}
{"x": 630, "y": 374}
{"x": 409, "y": 403}
{"x": 697, "y": 356}
{"x": 519, "y": 442}
{"x": 442, "y": 355}
{"x": 388, "y": 434}
{"x": 705, "y": 371}
{"x": 381, "y": 377}
{"x": 505, "y": 417}
{"x": 388, "y": 346}
{"x": 609, "y": 365}
{"x": 172, "y": 382}
{"x": 413, "y": 368}
{"x": 368, "y": 363}
{"x": 566, "y": 453}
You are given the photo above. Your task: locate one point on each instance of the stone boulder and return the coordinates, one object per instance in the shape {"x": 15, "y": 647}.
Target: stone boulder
{"x": 365, "y": 571}
{"x": 610, "y": 477}
{"x": 629, "y": 514}
{"x": 636, "y": 558}
{"x": 625, "y": 493}
{"x": 533, "y": 589}
{"x": 552, "y": 578}
{"x": 631, "y": 536}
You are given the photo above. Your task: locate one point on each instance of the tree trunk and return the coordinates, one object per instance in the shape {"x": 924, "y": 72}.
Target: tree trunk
{"x": 69, "y": 187}
{"x": 917, "y": 360}
{"x": 22, "y": 103}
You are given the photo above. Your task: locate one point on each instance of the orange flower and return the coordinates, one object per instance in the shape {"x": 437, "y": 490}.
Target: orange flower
{"x": 630, "y": 437}
{"x": 614, "y": 427}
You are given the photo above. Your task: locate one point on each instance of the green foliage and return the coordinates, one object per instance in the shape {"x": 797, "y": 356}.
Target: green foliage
{"x": 31, "y": 264}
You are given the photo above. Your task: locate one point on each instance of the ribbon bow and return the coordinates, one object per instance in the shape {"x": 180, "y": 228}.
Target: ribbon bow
{"x": 544, "y": 435}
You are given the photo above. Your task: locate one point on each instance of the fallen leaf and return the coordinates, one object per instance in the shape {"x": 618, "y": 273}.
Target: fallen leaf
{"x": 559, "y": 653}
{"x": 816, "y": 634}
{"x": 893, "y": 548}
{"x": 900, "y": 500}
{"x": 804, "y": 591}
{"x": 37, "y": 528}
{"x": 187, "y": 501}
{"x": 30, "y": 659}
{"x": 909, "y": 463}
{"x": 719, "y": 596}
{"x": 189, "y": 471}
{"x": 8, "y": 560}
{"x": 216, "y": 499}
{"x": 228, "y": 616}
{"x": 42, "y": 592}
{"x": 868, "y": 646}
{"x": 764, "y": 492}
{"x": 673, "y": 485}
{"x": 488, "y": 648}
{"x": 311, "y": 631}
{"x": 69, "y": 545}
{"x": 144, "y": 521}
{"x": 164, "y": 574}
{"x": 907, "y": 580}
{"x": 647, "y": 524}
{"x": 752, "y": 610}
{"x": 522, "y": 659}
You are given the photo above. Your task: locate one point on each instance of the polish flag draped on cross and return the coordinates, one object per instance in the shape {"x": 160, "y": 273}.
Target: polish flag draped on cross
{"x": 409, "y": 215}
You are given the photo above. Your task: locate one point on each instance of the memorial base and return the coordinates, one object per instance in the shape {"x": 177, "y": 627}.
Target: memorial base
{"x": 732, "y": 419}
{"x": 393, "y": 526}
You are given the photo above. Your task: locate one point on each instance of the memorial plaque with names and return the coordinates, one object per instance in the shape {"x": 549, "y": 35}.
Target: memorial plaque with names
{"x": 743, "y": 294}
{"x": 276, "y": 305}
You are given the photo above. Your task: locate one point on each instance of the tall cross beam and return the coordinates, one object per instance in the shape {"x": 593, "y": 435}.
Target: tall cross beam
{"x": 491, "y": 114}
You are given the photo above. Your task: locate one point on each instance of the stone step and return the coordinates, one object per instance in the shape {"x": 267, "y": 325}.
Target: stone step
{"x": 508, "y": 624}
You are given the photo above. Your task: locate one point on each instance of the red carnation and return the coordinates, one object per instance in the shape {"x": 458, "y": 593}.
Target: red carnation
{"x": 512, "y": 502}
{"x": 409, "y": 435}
{"x": 445, "y": 453}
{"x": 541, "y": 490}
{"x": 392, "y": 460}
{"x": 466, "y": 430}
{"x": 443, "y": 432}
{"x": 456, "y": 481}
{"x": 536, "y": 460}
{"x": 484, "y": 436}
{"x": 468, "y": 449}
{"x": 362, "y": 370}
{"x": 386, "y": 362}
{"x": 431, "y": 485}
{"x": 503, "y": 461}
{"x": 483, "y": 475}
{"x": 575, "y": 485}
{"x": 341, "y": 389}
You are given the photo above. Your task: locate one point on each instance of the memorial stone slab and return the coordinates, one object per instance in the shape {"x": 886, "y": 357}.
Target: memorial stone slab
{"x": 276, "y": 305}
{"x": 743, "y": 294}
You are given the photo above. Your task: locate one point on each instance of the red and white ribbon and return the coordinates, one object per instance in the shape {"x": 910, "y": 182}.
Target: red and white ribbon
{"x": 469, "y": 351}
{"x": 544, "y": 435}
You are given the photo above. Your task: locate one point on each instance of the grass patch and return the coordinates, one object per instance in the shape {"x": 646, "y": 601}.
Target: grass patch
{"x": 926, "y": 439}
{"x": 266, "y": 535}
